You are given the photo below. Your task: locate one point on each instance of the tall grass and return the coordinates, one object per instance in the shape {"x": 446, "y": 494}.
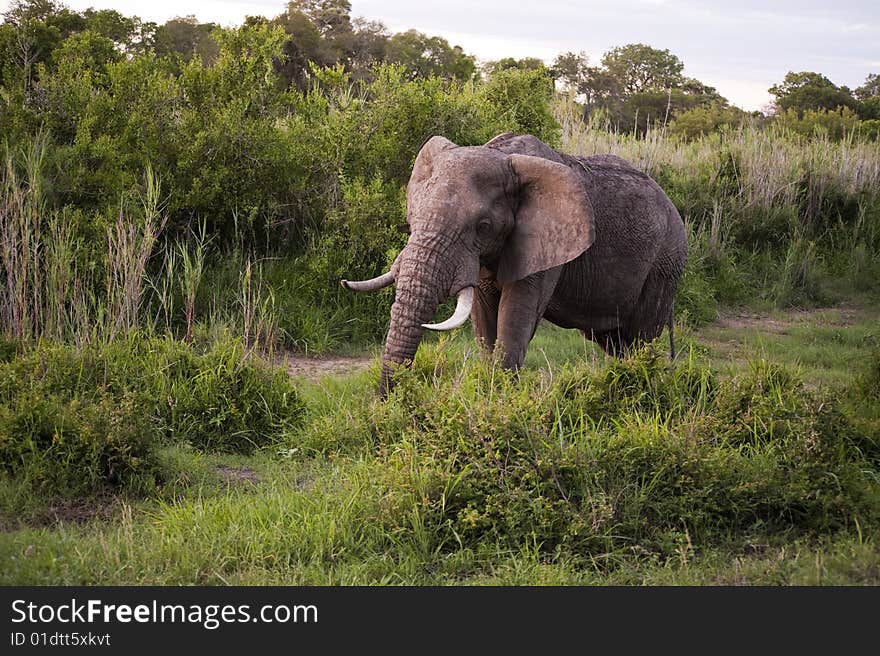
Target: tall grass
{"x": 759, "y": 169}
{"x": 771, "y": 164}
{"x": 21, "y": 224}
{"x": 193, "y": 263}
{"x": 773, "y": 216}
{"x": 259, "y": 319}
{"x": 129, "y": 246}
{"x": 50, "y": 290}
{"x": 62, "y": 283}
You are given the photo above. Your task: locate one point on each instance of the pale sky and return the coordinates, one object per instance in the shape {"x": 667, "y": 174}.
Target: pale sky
{"x": 741, "y": 47}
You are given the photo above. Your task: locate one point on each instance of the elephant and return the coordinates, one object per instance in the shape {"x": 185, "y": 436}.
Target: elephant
{"x": 520, "y": 232}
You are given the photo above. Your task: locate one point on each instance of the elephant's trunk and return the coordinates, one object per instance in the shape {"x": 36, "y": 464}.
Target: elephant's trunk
{"x": 425, "y": 278}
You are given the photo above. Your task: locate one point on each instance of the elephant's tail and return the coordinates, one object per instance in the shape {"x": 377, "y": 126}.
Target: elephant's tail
{"x": 671, "y": 323}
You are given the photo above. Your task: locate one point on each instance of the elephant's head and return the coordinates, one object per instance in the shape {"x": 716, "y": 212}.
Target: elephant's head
{"x": 471, "y": 206}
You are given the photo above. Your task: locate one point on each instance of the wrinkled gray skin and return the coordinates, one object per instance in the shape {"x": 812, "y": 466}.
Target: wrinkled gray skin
{"x": 588, "y": 243}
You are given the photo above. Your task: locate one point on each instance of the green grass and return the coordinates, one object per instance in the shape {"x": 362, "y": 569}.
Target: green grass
{"x": 753, "y": 459}
{"x": 371, "y": 493}
{"x": 827, "y": 346}
{"x": 304, "y": 525}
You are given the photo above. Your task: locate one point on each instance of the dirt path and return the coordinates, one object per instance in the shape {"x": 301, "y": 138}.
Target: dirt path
{"x": 317, "y": 368}
{"x": 780, "y": 322}
{"x": 725, "y": 334}
{"x": 735, "y": 332}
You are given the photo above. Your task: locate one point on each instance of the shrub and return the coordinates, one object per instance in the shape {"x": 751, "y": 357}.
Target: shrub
{"x": 703, "y": 120}
{"x": 218, "y": 399}
{"x": 222, "y": 401}
{"x": 63, "y": 446}
{"x": 637, "y": 454}
{"x": 868, "y": 382}
{"x": 8, "y": 349}
{"x": 832, "y": 123}
{"x": 522, "y": 99}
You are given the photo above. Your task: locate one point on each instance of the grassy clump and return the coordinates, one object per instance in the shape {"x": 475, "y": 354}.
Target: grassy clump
{"x": 868, "y": 385}
{"x": 624, "y": 472}
{"x": 636, "y": 456}
{"x": 72, "y": 421}
{"x": 71, "y": 447}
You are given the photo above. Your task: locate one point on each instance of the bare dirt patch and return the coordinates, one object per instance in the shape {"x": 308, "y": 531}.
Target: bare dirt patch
{"x": 780, "y": 322}
{"x": 234, "y": 475}
{"x": 67, "y": 511}
{"x": 317, "y": 368}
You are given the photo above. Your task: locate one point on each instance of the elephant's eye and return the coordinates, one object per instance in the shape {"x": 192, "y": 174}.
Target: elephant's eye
{"x": 483, "y": 228}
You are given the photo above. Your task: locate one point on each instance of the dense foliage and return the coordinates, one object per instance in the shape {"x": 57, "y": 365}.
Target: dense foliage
{"x": 271, "y": 159}
{"x": 76, "y": 421}
{"x": 631, "y": 456}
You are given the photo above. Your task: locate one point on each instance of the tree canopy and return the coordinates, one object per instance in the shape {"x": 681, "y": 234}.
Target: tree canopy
{"x": 810, "y": 91}
{"x": 639, "y": 68}
{"x": 635, "y": 86}
{"x": 631, "y": 87}
{"x": 423, "y": 56}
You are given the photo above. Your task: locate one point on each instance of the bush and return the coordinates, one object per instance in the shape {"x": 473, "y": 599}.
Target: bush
{"x": 68, "y": 447}
{"x": 703, "y": 120}
{"x": 222, "y": 401}
{"x": 521, "y": 99}
{"x": 868, "y": 382}
{"x": 832, "y": 123}
{"x": 218, "y": 399}
{"x": 636, "y": 455}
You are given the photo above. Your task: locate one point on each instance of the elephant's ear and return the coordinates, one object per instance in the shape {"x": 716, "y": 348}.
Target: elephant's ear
{"x": 554, "y": 222}
{"x": 424, "y": 163}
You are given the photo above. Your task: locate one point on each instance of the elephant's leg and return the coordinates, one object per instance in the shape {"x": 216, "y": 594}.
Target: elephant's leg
{"x": 522, "y": 305}
{"x": 484, "y": 314}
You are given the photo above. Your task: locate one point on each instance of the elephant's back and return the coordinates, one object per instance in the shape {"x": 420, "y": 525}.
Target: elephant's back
{"x": 525, "y": 144}
{"x": 610, "y": 165}
{"x": 639, "y": 240}
{"x": 605, "y": 172}
{"x": 629, "y": 204}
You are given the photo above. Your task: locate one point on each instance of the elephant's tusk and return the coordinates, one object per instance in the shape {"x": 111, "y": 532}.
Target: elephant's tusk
{"x": 461, "y": 314}
{"x": 371, "y": 285}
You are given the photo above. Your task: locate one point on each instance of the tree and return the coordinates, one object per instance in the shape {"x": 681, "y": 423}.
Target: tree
{"x": 869, "y": 95}
{"x": 330, "y": 17}
{"x": 639, "y": 67}
{"x": 303, "y": 46}
{"x": 707, "y": 95}
{"x": 571, "y": 69}
{"x": 636, "y": 86}
{"x": 323, "y": 33}
{"x": 186, "y": 37}
{"x": 113, "y": 25}
{"x": 423, "y": 56}
{"x": 600, "y": 88}
{"x": 88, "y": 50}
{"x": 367, "y": 47}
{"x": 35, "y": 29}
{"x": 524, "y": 64}
{"x": 810, "y": 91}
{"x": 870, "y": 89}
